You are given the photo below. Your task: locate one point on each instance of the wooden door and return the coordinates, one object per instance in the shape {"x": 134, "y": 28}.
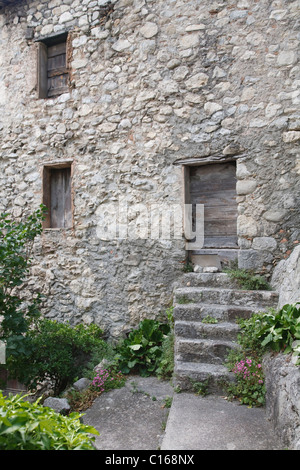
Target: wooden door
{"x": 215, "y": 186}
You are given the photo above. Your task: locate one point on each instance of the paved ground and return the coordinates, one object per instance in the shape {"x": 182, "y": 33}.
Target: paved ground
{"x": 212, "y": 423}
{"x": 135, "y": 418}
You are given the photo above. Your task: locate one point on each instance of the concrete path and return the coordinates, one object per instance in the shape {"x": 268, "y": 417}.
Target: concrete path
{"x": 135, "y": 417}
{"x": 212, "y": 423}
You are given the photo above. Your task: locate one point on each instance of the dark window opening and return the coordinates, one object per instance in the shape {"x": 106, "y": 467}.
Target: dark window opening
{"x": 57, "y": 197}
{"x": 53, "y": 74}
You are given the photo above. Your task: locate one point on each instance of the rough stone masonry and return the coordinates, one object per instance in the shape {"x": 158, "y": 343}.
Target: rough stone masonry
{"x": 151, "y": 84}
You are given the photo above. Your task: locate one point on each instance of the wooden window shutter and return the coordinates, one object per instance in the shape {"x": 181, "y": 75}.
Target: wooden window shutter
{"x": 53, "y": 74}
{"x": 57, "y": 197}
{"x": 57, "y": 72}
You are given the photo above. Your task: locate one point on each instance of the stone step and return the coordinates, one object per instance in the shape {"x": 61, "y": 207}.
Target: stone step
{"x": 203, "y": 350}
{"x": 207, "y": 280}
{"x": 199, "y": 311}
{"x": 187, "y": 373}
{"x": 199, "y": 330}
{"x": 250, "y": 299}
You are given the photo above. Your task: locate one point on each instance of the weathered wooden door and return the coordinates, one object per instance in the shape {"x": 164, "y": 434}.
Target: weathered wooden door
{"x": 214, "y": 186}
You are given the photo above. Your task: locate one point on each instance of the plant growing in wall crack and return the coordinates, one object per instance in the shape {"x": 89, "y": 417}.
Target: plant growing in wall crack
{"x": 247, "y": 279}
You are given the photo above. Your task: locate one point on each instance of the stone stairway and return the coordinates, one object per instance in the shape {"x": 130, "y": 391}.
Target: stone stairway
{"x": 201, "y": 347}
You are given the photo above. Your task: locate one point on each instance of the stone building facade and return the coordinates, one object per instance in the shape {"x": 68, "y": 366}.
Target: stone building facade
{"x": 150, "y": 93}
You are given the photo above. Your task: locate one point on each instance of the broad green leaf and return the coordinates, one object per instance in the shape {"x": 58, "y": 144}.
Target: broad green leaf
{"x": 135, "y": 347}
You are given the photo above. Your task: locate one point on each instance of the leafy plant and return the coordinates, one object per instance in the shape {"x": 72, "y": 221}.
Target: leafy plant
{"x": 244, "y": 361}
{"x": 247, "y": 279}
{"x": 104, "y": 381}
{"x": 209, "y": 319}
{"x": 31, "y": 426}
{"x": 249, "y": 387}
{"x": 278, "y": 330}
{"x": 184, "y": 300}
{"x": 187, "y": 267}
{"x": 56, "y": 352}
{"x": 18, "y": 306}
{"x": 168, "y": 402}
{"x": 165, "y": 367}
{"x": 142, "y": 350}
{"x": 200, "y": 388}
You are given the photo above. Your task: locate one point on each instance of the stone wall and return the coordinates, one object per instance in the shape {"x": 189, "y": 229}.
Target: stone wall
{"x": 286, "y": 278}
{"x": 282, "y": 398}
{"x": 152, "y": 83}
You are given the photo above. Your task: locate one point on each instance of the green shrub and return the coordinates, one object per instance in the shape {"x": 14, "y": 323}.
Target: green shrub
{"x": 31, "y": 426}
{"x": 142, "y": 350}
{"x": 58, "y": 352}
{"x": 18, "y": 306}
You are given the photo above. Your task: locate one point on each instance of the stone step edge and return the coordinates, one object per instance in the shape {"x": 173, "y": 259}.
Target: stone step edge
{"x": 211, "y": 305}
{"x": 196, "y": 367}
{"x": 198, "y": 289}
{"x": 203, "y": 351}
{"x": 197, "y": 329}
{"x": 186, "y": 373}
{"x": 181, "y": 341}
{"x": 218, "y": 311}
{"x": 208, "y": 279}
{"x": 203, "y": 279}
{"x": 220, "y": 325}
{"x": 232, "y": 300}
